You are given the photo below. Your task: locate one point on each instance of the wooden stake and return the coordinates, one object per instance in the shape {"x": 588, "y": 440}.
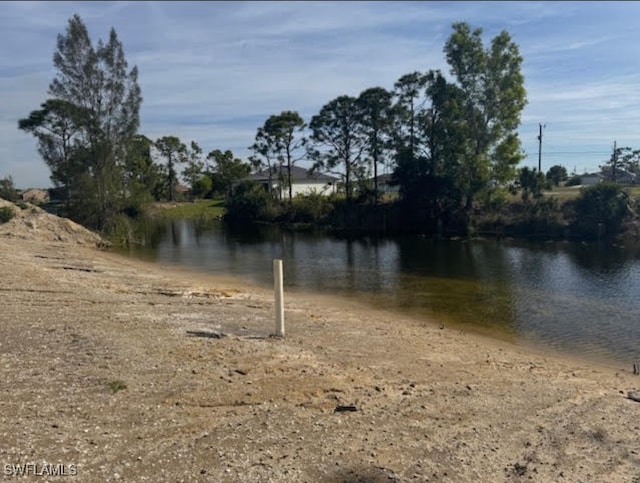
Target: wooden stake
{"x": 279, "y": 299}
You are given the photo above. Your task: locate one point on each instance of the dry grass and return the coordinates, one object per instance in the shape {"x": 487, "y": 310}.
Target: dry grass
{"x": 565, "y": 193}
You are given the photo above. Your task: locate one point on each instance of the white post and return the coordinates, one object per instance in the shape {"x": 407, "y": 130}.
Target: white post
{"x": 277, "y": 286}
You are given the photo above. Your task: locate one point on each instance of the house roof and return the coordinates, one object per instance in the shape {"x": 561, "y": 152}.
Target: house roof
{"x": 386, "y": 178}
{"x": 298, "y": 175}
{"x": 603, "y": 174}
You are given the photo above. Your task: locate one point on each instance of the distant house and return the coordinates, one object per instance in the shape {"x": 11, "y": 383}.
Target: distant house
{"x": 622, "y": 177}
{"x": 386, "y": 184}
{"x": 589, "y": 179}
{"x": 180, "y": 192}
{"x": 35, "y": 196}
{"x": 180, "y": 189}
{"x": 302, "y": 182}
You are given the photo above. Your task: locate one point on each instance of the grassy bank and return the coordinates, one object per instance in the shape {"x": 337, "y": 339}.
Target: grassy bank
{"x": 147, "y": 225}
{"x": 198, "y": 209}
{"x": 572, "y": 213}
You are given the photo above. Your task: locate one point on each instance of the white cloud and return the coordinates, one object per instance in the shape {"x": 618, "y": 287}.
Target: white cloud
{"x": 213, "y": 71}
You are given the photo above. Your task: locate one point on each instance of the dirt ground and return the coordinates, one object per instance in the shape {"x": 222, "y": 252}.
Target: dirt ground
{"x": 116, "y": 370}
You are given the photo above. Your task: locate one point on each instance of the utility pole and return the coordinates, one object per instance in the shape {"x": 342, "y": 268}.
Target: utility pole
{"x": 615, "y": 160}
{"x": 540, "y": 148}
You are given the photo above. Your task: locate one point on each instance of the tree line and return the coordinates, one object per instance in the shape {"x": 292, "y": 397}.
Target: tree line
{"x": 450, "y": 139}
{"x": 447, "y": 141}
{"x": 87, "y": 134}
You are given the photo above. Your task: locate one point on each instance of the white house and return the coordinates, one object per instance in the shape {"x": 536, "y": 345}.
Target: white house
{"x": 589, "y": 179}
{"x": 622, "y": 177}
{"x": 386, "y": 184}
{"x": 302, "y": 182}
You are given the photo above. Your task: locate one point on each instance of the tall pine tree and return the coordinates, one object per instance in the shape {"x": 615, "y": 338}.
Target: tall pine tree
{"x": 84, "y": 128}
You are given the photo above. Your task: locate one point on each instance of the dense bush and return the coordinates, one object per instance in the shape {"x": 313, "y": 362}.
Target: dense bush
{"x": 6, "y": 213}
{"x": 532, "y": 182}
{"x": 120, "y": 231}
{"x": 251, "y": 202}
{"x": 601, "y": 210}
{"x": 202, "y": 187}
{"x": 311, "y": 208}
{"x": 7, "y": 189}
{"x": 557, "y": 175}
{"x": 574, "y": 181}
{"x": 540, "y": 218}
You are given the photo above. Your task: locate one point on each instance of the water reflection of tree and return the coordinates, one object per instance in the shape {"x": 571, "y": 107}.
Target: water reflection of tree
{"x": 148, "y": 232}
{"x": 603, "y": 258}
{"x": 203, "y": 227}
{"x": 465, "y": 282}
{"x": 251, "y": 233}
{"x": 560, "y": 293}
{"x": 175, "y": 234}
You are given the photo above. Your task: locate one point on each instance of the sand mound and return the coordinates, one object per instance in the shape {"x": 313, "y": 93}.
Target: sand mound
{"x": 33, "y": 223}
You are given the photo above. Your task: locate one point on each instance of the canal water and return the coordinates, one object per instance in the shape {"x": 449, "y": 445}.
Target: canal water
{"x": 574, "y": 297}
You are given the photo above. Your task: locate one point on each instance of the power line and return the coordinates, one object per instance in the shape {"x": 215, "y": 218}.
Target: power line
{"x": 576, "y": 152}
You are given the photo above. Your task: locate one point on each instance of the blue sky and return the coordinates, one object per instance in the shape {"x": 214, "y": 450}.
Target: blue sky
{"x": 212, "y": 72}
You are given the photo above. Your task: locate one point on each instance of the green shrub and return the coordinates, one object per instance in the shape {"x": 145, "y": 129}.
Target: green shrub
{"x": 310, "y": 208}
{"x": 6, "y": 213}
{"x": 202, "y": 187}
{"x": 251, "y": 202}
{"x": 601, "y": 210}
{"x": 7, "y": 189}
{"x": 116, "y": 386}
{"x": 497, "y": 200}
{"x": 120, "y": 231}
{"x": 557, "y": 175}
{"x": 573, "y": 181}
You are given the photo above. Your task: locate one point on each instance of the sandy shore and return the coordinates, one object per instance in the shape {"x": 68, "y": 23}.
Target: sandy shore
{"x": 116, "y": 370}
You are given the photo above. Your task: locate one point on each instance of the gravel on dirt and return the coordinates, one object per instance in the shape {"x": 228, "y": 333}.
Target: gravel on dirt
{"x": 119, "y": 370}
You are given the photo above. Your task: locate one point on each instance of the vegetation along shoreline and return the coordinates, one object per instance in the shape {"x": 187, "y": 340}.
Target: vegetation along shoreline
{"x": 437, "y": 155}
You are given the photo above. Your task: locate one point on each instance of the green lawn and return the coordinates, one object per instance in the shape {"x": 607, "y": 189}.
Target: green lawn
{"x": 189, "y": 209}
{"x": 635, "y": 191}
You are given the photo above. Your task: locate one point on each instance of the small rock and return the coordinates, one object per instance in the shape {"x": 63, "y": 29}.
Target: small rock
{"x": 341, "y": 409}
{"x": 634, "y": 395}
